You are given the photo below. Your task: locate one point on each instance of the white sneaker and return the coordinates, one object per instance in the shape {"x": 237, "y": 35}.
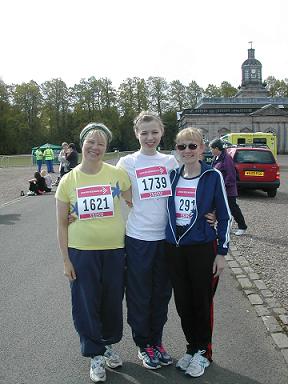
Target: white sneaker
{"x": 184, "y": 362}
{"x": 112, "y": 358}
{"x": 30, "y": 193}
{"x": 97, "y": 369}
{"x": 197, "y": 365}
{"x": 240, "y": 232}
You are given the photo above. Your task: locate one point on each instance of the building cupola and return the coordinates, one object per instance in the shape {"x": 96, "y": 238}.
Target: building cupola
{"x": 252, "y": 85}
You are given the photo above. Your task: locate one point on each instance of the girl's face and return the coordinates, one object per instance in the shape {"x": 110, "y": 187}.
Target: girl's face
{"x": 94, "y": 147}
{"x": 189, "y": 150}
{"x": 149, "y": 135}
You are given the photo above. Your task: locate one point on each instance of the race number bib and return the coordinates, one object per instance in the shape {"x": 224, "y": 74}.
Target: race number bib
{"x": 153, "y": 182}
{"x": 184, "y": 204}
{"x": 95, "y": 202}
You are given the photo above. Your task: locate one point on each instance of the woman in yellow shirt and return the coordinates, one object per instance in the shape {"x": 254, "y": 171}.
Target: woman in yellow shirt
{"x": 93, "y": 248}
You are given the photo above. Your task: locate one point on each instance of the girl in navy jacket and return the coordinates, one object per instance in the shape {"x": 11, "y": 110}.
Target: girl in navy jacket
{"x": 195, "y": 249}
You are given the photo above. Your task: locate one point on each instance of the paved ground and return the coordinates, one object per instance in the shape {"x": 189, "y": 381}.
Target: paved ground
{"x": 39, "y": 344}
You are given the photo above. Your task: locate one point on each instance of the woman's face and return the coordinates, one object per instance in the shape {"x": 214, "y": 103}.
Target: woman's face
{"x": 149, "y": 135}
{"x": 94, "y": 146}
{"x": 215, "y": 151}
{"x": 189, "y": 150}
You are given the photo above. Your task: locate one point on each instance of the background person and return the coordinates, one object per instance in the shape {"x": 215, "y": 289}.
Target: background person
{"x": 63, "y": 163}
{"x": 48, "y": 156}
{"x": 72, "y": 156}
{"x": 37, "y": 185}
{"x": 195, "y": 250}
{"x": 48, "y": 180}
{"x": 224, "y": 163}
{"x": 93, "y": 248}
{"x": 39, "y": 158}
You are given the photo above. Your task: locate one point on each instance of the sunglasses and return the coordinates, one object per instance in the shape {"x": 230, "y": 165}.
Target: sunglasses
{"x": 181, "y": 147}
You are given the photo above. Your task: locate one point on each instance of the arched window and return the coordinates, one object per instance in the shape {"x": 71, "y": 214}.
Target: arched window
{"x": 245, "y": 130}
{"x": 223, "y": 131}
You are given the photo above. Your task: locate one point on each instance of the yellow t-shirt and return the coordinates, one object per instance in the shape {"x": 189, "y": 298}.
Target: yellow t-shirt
{"x": 100, "y": 232}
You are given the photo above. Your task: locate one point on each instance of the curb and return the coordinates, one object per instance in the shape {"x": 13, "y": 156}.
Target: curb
{"x": 273, "y": 315}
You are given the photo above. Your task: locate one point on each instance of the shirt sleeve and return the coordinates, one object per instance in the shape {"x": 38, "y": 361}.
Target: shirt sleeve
{"x": 124, "y": 179}
{"x": 61, "y": 192}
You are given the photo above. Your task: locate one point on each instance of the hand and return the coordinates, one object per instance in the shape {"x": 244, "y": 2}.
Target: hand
{"x": 71, "y": 219}
{"x": 211, "y": 218}
{"x": 218, "y": 265}
{"x": 69, "y": 270}
{"x": 129, "y": 203}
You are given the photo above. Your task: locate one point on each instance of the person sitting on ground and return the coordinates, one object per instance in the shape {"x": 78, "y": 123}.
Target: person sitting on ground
{"x": 37, "y": 185}
{"x": 48, "y": 180}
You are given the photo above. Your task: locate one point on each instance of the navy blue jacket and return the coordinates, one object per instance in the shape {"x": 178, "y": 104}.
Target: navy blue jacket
{"x": 210, "y": 196}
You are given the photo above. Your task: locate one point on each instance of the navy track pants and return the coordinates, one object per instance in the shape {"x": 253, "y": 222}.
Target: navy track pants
{"x": 97, "y": 295}
{"x": 148, "y": 290}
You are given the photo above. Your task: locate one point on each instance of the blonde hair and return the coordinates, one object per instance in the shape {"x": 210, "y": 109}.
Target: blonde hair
{"x": 146, "y": 117}
{"x": 190, "y": 133}
{"x": 98, "y": 133}
{"x": 43, "y": 173}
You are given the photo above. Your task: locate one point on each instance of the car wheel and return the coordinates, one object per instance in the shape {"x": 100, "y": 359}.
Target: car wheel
{"x": 271, "y": 192}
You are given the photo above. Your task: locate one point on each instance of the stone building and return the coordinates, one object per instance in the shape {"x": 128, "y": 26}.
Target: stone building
{"x": 250, "y": 110}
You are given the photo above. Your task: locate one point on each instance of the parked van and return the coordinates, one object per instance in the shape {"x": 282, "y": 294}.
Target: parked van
{"x": 254, "y": 139}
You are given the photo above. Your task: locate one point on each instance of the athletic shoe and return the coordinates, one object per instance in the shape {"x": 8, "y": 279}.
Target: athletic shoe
{"x": 240, "y": 232}
{"x": 30, "y": 193}
{"x": 163, "y": 357}
{"x": 113, "y": 360}
{"x": 184, "y": 362}
{"x": 97, "y": 369}
{"x": 197, "y": 365}
{"x": 148, "y": 357}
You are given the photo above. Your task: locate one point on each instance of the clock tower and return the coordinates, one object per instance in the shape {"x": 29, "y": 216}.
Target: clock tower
{"x": 252, "y": 85}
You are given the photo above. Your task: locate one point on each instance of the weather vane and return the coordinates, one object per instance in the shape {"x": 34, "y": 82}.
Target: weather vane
{"x": 250, "y": 42}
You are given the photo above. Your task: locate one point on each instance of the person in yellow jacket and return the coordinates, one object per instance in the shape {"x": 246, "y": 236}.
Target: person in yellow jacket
{"x": 39, "y": 158}
{"x": 48, "y": 155}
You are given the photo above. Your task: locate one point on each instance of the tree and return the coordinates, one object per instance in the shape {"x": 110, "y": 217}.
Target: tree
{"x": 177, "y": 95}
{"x": 4, "y": 115}
{"x": 158, "y": 94}
{"x": 212, "y": 91}
{"x": 227, "y": 90}
{"x": 277, "y": 88}
{"x": 194, "y": 93}
{"x": 56, "y": 105}
{"x": 27, "y": 100}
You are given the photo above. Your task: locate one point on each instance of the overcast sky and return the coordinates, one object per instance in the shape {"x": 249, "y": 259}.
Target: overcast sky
{"x": 205, "y": 40}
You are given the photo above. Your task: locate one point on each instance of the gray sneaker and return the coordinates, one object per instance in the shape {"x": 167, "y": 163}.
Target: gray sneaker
{"x": 184, "y": 362}
{"x": 197, "y": 364}
{"x": 240, "y": 232}
{"x": 97, "y": 369}
{"x": 112, "y": 358}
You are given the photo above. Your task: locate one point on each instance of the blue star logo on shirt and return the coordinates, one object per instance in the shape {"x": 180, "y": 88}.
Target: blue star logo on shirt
{"x": 116, "y": 191}
{"x": 74, "y": 208}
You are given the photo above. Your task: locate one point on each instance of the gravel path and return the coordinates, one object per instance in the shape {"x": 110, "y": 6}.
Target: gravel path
{"x": 265, "y": 244}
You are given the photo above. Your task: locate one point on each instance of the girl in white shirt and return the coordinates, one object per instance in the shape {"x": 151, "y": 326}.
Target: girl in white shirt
{"x": 148, "y": 288}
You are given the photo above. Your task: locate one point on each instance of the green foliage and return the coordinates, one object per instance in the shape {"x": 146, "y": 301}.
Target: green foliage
{"x": 32, "y": 114}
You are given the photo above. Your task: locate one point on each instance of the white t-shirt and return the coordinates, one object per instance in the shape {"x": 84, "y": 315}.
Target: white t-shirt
{"x": 148, "y": 217}
{"x": 185, "y": 200}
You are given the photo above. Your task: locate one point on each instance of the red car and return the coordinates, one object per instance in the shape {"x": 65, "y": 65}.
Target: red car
{"x": 256, "y": 168}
